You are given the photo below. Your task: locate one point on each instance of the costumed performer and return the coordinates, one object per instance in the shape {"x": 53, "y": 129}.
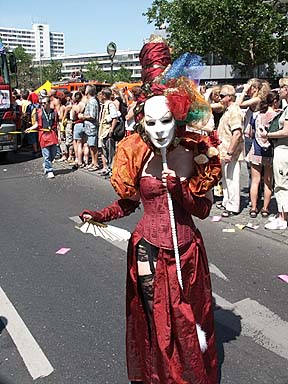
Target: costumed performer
{"x": 169, "y": 330}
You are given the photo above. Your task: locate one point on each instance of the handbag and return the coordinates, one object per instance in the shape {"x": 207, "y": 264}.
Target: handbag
{"x": 274, "y": 123}
{"x": 119, "y": 131}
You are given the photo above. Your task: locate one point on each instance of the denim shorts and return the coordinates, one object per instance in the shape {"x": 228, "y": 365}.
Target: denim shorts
{"x": 91, "y": 134}
{"x": 79, "y": 131}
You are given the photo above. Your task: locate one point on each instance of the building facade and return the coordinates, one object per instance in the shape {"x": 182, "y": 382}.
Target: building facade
{"x": 212, "y": 74}
{"x": 75, "y": 63}
{"x": 40, "y": 42}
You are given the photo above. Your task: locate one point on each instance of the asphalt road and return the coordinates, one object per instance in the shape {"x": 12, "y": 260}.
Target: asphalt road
{"x": 63, "y": 316}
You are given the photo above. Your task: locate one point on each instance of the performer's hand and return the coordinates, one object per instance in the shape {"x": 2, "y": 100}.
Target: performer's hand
{"x": 86, "y": 217}
{"x": 227, "y": 159}
{"x": 165, "y": 173}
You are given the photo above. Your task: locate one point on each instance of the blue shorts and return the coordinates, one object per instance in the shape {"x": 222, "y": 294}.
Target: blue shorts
{"x": 91, "y": 134}
{"x": 79, "y": 132}
{"x": 92, "y": 141}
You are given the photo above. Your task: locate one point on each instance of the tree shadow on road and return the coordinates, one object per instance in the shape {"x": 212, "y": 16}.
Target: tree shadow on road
{"x": 227, "y": 329}
{"x": 62, "y": 171}
{"x": 3, "y": 323}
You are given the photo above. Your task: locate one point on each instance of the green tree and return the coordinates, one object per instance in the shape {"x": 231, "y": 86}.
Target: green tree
{"x": 94, "y": 72}
{"x": 243, "y": 34}
{"x": 122, "y": 74}
{"x": 24, "y": 67}
{"x": 52, "y": 71}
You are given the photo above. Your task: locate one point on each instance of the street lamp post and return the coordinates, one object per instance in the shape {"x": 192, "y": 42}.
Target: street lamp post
{"x": 40, "y": 65}
{"x": 111, "y": 50}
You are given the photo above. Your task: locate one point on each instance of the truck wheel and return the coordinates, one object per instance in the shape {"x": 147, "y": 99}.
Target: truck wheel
{"x": 10, "y": 157}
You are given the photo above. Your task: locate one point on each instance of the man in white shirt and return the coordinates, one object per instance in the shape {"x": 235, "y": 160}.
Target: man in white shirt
{"x": 108, "y": 122}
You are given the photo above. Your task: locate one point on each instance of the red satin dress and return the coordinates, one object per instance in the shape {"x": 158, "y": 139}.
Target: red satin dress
{"x": 170, "y": 354}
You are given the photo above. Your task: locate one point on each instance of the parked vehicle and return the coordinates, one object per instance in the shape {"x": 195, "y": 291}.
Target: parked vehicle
{"x": 9, "y": 111}
{"x": 73, "y": 85}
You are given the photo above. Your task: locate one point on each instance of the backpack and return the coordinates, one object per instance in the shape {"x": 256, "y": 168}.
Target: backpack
{"x": 26, "y": 117}
{"x": 119, "y": 130}
{"x": 123, "y": 109}
{"x": 274, "y": 123}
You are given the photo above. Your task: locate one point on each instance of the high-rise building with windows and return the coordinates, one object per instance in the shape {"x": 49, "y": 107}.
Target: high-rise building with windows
{"x": 39, "y": 41}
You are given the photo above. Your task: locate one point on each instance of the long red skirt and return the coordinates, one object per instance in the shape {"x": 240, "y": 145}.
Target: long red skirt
{"x": 170, "y": 353}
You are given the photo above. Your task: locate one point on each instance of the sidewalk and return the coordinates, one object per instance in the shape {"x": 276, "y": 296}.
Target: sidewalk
{"x": 244, "y": 217}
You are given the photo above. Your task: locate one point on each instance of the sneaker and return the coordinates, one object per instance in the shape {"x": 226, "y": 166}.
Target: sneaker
{"x": 104, "y": 173}
{"x": 50, "y": 175}
{"x": 276, "y": 224}
{"x": 272, "y": 217}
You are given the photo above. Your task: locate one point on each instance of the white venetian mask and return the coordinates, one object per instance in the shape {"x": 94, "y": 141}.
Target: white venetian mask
{"x": 159, "y": 122}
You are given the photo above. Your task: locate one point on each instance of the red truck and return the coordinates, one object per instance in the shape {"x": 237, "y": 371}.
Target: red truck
{"x": 9, "y": 111}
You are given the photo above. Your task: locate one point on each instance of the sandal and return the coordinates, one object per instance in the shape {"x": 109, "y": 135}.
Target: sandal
{"x": 92, "y": 168}
{"x": 220, "y": 206}
{"x": 253, "y": 213}
{"x": 264, "y": 213}
{"x": 228, "y": 213}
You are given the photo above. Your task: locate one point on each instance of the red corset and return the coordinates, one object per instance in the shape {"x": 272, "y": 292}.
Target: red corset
{"x": 155, "y": 224}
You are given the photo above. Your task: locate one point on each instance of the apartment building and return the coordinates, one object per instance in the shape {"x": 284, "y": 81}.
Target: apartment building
{"x": 39, "y": 41}
{"x": 73, "y": 63}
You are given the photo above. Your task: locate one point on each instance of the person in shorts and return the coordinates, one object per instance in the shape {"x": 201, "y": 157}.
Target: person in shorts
{"x": 90, "y": 127}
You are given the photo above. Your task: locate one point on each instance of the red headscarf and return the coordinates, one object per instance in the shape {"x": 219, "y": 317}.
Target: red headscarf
{"x": 33, "y": 97}
{"x": 154, "y": 58}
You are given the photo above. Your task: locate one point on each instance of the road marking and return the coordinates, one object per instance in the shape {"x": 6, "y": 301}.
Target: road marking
{"x": 256, "y": 321}
{"x": 32, "y": 355}
{"x": 217, "y": 272}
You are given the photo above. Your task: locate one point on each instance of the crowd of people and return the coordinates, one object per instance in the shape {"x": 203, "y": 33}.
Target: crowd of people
{"x": 84, "y": 122}
{"x": 83, "y": 129}
{"x": 243, "y": 122}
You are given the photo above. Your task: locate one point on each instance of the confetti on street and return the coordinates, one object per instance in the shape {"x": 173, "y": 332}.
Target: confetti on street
{"x": 240, "y": 226}
{"x": 284, "y": 278}
{"x": 216, "y": 218}
{"x": 63, "y": 251}
{"x": 251, "y": 226}
{"x": 229, "y": 230}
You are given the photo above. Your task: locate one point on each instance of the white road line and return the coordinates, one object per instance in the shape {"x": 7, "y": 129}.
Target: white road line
{"x": 256, "y": 321}
{"x": 32, "y": 355}
{"x": 217, "y": 272}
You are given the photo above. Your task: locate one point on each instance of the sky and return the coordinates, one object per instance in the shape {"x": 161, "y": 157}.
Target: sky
{"x": 88, "y": 25}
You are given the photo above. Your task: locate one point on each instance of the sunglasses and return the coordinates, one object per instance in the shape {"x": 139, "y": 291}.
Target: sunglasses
{"x": 222, "y": 95}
